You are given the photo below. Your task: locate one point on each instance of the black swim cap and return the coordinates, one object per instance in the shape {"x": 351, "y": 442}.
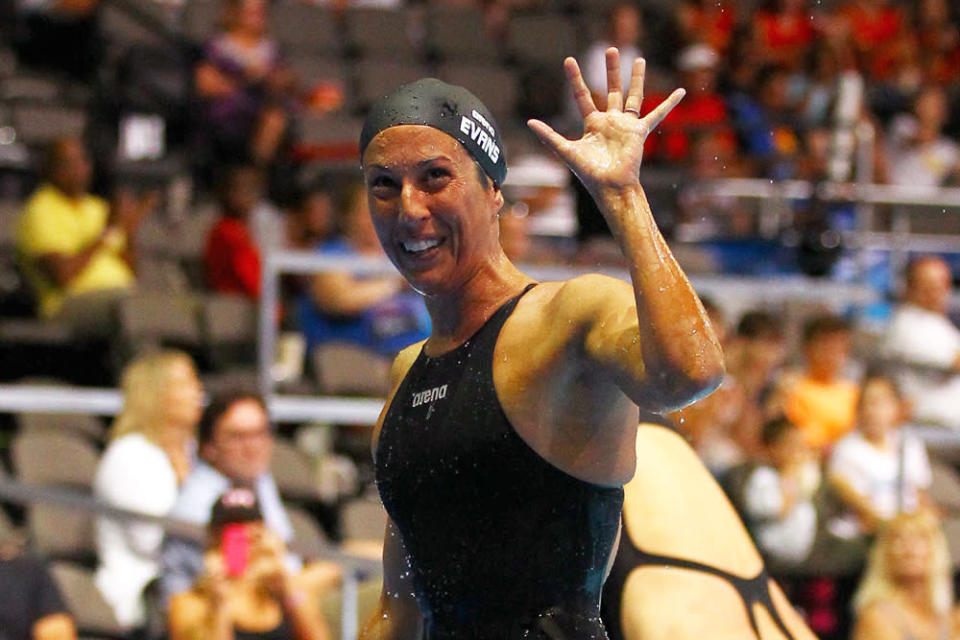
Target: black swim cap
{"x": 446, "y": 107}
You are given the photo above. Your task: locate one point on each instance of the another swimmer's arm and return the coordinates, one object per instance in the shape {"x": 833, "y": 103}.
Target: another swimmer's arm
{"x": 667, "y": 355}
{"x": 397, "y": 617}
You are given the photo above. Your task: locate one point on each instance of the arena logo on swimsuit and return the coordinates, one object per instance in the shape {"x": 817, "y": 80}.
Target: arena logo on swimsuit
{"x": 484, "y": 139}
{"x": 430, "y": 395}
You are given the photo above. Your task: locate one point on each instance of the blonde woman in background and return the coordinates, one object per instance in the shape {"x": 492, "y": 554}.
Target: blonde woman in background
{"x": 906, "y": 591}
{"x": 150, "y": 452}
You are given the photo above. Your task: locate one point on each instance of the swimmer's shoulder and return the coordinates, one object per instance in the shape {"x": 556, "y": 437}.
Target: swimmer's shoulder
{"x": 402, "y": 363}
{"x": 581, "y": 297}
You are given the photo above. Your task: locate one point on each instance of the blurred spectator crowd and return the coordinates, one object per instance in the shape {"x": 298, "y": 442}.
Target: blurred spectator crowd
{"x": 153, "y": 154}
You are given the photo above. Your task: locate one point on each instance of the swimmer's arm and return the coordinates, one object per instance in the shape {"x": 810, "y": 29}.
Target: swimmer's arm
{"x": 342, "y": 294}
{"x": 657, "y": 347}
{"x": 664, "y": 354}
{"x": 397, "y": 617}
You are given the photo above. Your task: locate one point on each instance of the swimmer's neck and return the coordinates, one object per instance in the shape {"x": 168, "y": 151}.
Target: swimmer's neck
{"x": 458, "y": 314}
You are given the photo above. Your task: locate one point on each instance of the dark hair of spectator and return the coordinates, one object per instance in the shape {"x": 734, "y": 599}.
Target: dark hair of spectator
{"x": 824, "y": 325}
{"x": 765, "y": 75}
{"x": 218, "y": 406}
{"x": 52, "y": 154}
{"x": 760, "y": 325}
{"x": 302, "y": 194}
{"x": 775, "y": 429}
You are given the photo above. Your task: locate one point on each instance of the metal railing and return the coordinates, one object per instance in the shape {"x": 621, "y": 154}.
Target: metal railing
{"x": 761, "y": 291}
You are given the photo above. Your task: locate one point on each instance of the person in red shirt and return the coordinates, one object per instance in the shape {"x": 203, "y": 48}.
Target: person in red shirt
{"x": 875, "y": 28}
{"x": 702, "y": 112}
{"x": 936, "y": 29}
{"x": 784, "y": 32}
{"x": 709, "y": 22}
{"x": 232, "y": 258}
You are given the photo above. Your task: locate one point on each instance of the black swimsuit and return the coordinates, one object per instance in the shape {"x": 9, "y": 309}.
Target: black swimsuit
{"x": 752, "y": 591}
{"x": 501, "y": 544}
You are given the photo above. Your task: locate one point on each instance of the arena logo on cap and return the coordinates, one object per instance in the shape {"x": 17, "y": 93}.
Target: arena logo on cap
{"x": 482, "y": 134}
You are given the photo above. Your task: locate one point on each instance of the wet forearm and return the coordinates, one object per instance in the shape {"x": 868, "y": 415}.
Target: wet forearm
{"x": 675, "y": 334}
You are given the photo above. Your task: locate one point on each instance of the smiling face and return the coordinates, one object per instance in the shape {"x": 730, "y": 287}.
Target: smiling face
{"x": 436, "y": 219}
{"x": 909, "y": 552}
{"x": 880, "y": 408}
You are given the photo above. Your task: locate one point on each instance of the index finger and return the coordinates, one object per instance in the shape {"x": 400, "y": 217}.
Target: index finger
{"x": 581, "y": 94}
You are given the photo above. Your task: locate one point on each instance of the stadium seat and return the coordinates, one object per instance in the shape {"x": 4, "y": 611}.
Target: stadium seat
{"x": 7, "y": 529}
{"x": 308, "y": 538}
{"x": 29, "y": 87}
{"x": 293, "y": 472}
{"x": 456, "y": 33}
{"x": 330, "y": 130}
{"x": 945, "y": 486}
{"x": 8, "y": 63}
{"x": 346, "y": 369}
{"x": 70, "y": 424}
{"x": 951, "y": 529}
{"x": 189, "y": 240}
{"x": 300, "y": 27}
{"x": 92, "y": 614}
{"x": 37, "y": 124}
{"x": 313, "y": 69}
{"x": 496, "y": 86}
{"x": 224, "y": 382}
{"x": 63, "y": 461}
{"x": 159, "y": 319}
{"x": 544, "y": 39}
{"x": 363, "y": 519}
{"x": 379, "y": 31}
{"x": 161, "y": 274}
{"x": 121, "y": 30}
{"x": 156, "y": 237}
{"x": 230, "y": 330}
{"x": 62, "y": 533}
{"x": 54, "y": 457}
{"x": 376, "y": 78}
{"x": 200, "y": 18}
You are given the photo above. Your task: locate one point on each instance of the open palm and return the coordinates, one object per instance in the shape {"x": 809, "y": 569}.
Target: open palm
{"x": 611, "y": 149}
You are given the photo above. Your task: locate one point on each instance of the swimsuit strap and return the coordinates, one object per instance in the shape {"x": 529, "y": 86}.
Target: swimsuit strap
{"x": 755, "y": 590}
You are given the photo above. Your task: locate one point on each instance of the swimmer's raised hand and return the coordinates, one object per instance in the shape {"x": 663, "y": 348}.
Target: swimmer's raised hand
{"x": 609, "y": 154}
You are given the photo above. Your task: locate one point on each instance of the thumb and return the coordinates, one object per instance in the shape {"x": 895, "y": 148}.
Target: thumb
{"x": 549, "y": 137}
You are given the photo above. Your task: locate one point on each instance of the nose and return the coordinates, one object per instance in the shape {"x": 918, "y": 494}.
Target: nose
{"x": 413, "y": 204}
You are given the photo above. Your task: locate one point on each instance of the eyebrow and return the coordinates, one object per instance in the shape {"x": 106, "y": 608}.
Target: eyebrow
{"x": 432, "y": 159}
{"x": 422, "y": 163}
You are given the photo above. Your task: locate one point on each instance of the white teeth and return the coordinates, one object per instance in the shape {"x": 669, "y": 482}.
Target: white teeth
{"x": 420, "y": 245}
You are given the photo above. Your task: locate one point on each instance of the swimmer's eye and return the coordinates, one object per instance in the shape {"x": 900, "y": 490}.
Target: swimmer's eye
{"x": 381, "y": 183}
{"x": 436, "y": 177}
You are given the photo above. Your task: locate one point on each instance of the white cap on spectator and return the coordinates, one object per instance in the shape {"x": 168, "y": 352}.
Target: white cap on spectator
{"x": 697, "y": 57}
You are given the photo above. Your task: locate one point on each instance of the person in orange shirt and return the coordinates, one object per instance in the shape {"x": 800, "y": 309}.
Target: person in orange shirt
{"x": 820, "y": 401}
